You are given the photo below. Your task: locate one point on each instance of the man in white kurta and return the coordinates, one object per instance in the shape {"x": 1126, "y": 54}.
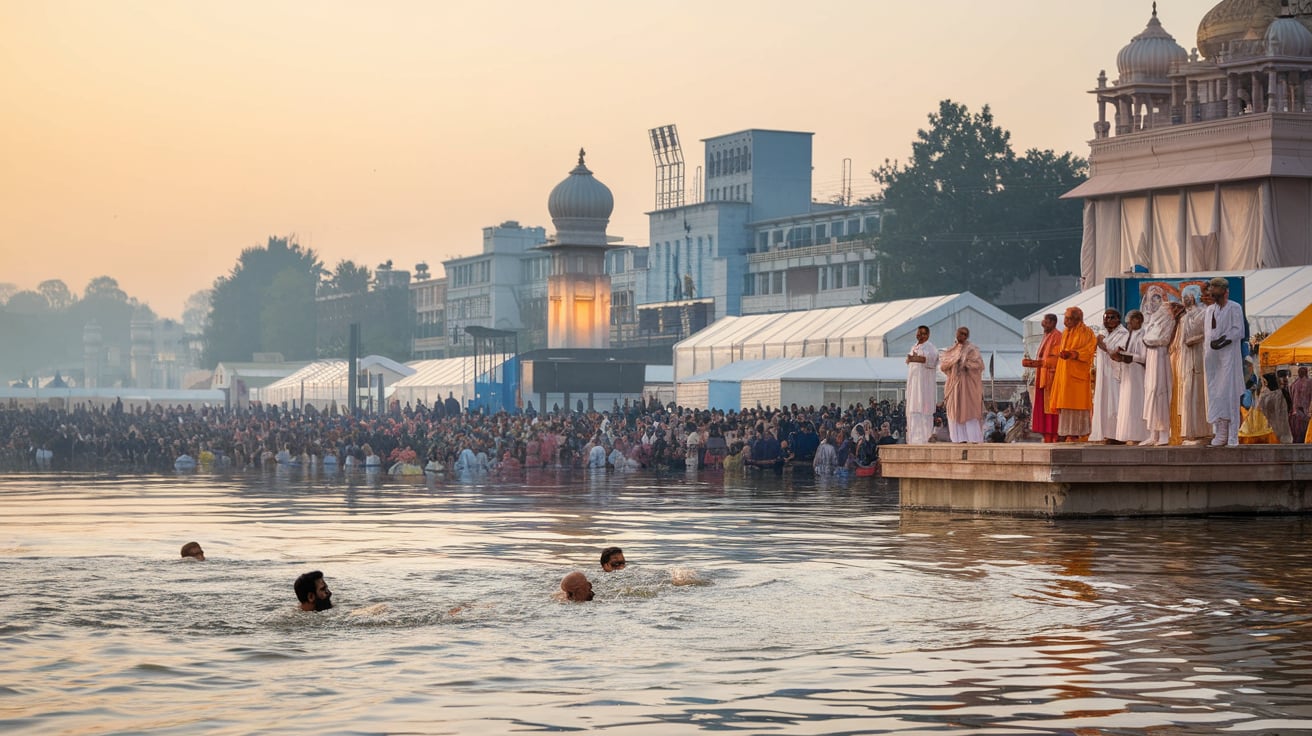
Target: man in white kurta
{"x": 1158, "y": 376}
{"x": 1130, "y": 426}
{"x": 1223, "y": 330}
{"x": 1107, "y": 378}
{"x": 922, "y": 388}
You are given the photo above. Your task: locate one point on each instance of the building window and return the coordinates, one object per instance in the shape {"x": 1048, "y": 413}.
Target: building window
{"x": 749, "y": 284}
{"x": 763, "y": 242}
{"x": 778, "y": 285}
{"x": 838, "y": 229}
{"x": 821, "y": 233}
{"x": 853, "y": 274}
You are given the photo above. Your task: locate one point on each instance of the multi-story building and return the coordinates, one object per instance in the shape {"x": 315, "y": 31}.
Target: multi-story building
{"x": 428, "y": 299}
{"x": 504, "y": 287}
{"x": 824, "y": 258}
{"x": 755, "y": 243}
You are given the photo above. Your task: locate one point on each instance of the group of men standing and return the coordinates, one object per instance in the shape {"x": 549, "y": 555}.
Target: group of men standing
{"x": 1179, "y": 363}
{"x": 1183, "y": 361}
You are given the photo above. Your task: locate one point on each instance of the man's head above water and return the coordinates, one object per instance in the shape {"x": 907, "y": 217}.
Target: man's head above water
{"x": 313, "y": 592}
{"x": 576, "y": 587}
{"x": 612, "y": 559}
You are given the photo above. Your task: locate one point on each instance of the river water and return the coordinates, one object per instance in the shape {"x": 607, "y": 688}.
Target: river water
{"x": 759, "y": 605}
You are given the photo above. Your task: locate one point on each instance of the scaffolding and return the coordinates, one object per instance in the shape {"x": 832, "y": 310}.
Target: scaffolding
{"x": 668, "y": 154}
{"x": 496, "y": 370}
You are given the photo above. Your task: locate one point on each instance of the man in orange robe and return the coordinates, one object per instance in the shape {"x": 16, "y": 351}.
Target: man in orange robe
{"x": 1072, "y": 390}
{"x": 1043, "y": 420}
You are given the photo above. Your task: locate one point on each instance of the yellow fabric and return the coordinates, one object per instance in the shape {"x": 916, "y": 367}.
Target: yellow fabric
{"x": 1073, "y": 388}
{"x": 1254, "y": 426}
{"x": 1292, "y": 343}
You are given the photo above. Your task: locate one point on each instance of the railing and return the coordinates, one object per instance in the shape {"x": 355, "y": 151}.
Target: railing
{"x": 825, "y": 249}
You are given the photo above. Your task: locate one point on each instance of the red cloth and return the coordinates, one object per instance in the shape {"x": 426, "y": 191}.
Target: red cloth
{"x": 1041, "y": 421}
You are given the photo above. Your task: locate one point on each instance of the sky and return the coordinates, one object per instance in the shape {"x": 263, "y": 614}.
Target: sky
{"x": 153, "y": 141}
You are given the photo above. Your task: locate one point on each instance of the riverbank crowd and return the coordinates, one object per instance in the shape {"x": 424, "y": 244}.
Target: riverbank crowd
{"x": 418, "y": 438}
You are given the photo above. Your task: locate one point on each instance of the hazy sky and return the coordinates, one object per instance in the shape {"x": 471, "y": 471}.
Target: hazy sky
{"x": 153, "y": 141}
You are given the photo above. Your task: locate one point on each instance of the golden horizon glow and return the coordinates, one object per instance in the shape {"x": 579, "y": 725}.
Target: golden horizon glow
{"x": 152, "y": 141}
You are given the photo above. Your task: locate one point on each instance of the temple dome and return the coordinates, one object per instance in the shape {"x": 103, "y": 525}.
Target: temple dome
{"x": 1290, "y": 37}
{"x": 581, "y": 195}
{"x": 580, "y": 208}
{"x": 1149, "y": 55}
{"x": 1234, "y": 20}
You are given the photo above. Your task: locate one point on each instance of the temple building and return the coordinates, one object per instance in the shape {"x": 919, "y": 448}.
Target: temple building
{"x": 1202, "y": 160}
{"x": 578, "y": 288}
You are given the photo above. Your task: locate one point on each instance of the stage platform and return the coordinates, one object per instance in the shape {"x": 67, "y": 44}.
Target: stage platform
{"x": 1088, "y": 480}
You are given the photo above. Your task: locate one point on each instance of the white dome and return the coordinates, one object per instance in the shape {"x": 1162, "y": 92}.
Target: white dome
{"x": 1149, "y": 55}
{"x": 580, "y": 207}
{"x": 1288, "y": 37}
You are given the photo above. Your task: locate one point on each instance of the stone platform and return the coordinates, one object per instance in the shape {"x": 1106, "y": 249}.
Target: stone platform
{"x": 1084, "y": 480}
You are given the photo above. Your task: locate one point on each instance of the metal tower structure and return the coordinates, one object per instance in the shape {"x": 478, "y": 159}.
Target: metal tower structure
{"x": 668, "y": 154}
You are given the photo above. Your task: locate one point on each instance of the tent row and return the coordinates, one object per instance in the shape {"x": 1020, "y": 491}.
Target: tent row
{"x": 324, "y": 383}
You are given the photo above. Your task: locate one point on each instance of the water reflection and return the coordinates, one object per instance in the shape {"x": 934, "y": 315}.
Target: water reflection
{"x": 820, "y": 609}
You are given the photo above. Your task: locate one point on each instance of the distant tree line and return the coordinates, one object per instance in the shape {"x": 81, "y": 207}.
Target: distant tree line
{"x": 42, "y": 329}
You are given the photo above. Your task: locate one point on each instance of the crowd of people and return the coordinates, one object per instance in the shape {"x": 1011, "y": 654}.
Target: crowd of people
{"x": 1173, "y": 373}
{"x": 416, "y": 439}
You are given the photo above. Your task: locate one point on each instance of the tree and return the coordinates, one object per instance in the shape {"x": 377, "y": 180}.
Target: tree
{"x": 56, "y": 293}
{"x": 965, "y": 214}
{"x": 348, "y": 278}
{"x": 287, "y": 318}
{"x": 196, "y": 311}
{"x": 236, "y": 328}
{"x": 104, "y": 287}
{"x": 28, "y": 303}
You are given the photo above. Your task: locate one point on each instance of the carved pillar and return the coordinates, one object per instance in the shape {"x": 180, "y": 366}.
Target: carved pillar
{"x": 1271, "y": 103}
{"x": 1100, "y": 127}
{"x": 1256, "y": 96}
{"x": 1191, "y": 102}
{"x": 1231, "y": 97}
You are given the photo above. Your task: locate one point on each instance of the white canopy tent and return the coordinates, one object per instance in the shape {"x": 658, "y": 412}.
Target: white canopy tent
{"x": 434, "y": 380}
{"x": 324, "y": 382}
{"x": 860, "y": 331}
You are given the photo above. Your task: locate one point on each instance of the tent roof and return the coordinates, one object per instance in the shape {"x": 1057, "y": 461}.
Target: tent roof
{"x": 331, "y": 372}
{"x": 1290, "y": 344}
{"x": 443, "y": 371}
{"x": 857, "y": 321}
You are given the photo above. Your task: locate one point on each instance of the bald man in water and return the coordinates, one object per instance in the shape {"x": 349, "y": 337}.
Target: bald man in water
{"x": 576, "y": 587}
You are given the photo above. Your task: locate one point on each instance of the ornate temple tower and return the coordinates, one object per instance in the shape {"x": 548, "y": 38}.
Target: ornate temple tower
{"x": 578, "y": 288}
{"x": 1206, "y": 162}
